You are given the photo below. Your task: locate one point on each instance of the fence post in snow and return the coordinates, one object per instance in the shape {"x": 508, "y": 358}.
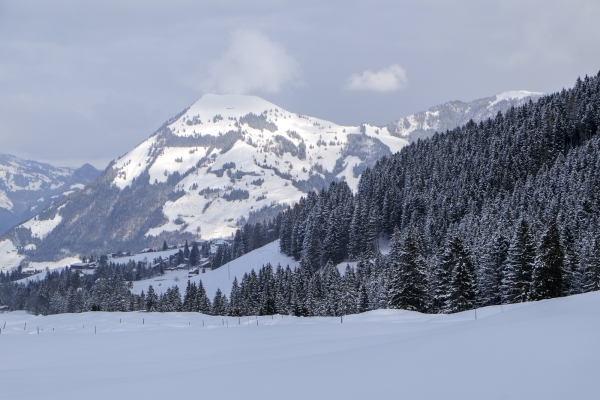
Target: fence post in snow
{"x": 94, "y": 330}
{"x": 475, "y": 313}
{"x": 25, "y": 327}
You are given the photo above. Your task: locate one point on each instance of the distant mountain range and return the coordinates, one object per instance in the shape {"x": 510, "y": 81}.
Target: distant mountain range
{"x": 450, "y": 115}
{"x": 225, "y": 160}
{"x": 28, "y": 187}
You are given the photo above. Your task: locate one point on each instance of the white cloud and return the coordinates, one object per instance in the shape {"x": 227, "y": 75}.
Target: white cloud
{"x": 387, "y": 79}
{"x": 253, "y": 62}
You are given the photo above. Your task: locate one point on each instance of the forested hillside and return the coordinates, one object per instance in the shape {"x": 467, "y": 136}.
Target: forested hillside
{"x": 502, "y": 211}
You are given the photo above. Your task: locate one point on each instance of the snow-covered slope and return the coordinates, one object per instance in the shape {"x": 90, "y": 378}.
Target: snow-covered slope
{"x": 246, "y": 146}
{"x": 542, "y": 350}
{"x": 220, "y": 278}
{"x": 456, "y": 113}
{"x": 28, "y": 187}
{"x": 9, "y": 257}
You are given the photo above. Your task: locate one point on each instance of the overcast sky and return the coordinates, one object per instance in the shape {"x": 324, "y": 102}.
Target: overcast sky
{"x": 86, "y": 81}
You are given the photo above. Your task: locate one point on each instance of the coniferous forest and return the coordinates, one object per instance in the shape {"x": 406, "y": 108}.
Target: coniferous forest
{"x": 499, "y": 212}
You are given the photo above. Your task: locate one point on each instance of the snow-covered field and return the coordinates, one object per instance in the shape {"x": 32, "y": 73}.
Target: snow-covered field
{"x": 542, "y": 350}
{"x": 9, "y": 258}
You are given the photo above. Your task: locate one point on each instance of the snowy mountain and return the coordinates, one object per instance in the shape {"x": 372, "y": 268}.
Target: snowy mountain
{"x": 28, "y": 187}
{"x": 457, "y": 113}
{"x": 221, "y": 162}
{"x": 224, "y": 161}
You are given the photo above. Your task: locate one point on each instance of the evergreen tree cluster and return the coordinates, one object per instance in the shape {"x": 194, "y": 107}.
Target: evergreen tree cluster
{"x": 508, "y": 207}
{"x": 69, "y": 292}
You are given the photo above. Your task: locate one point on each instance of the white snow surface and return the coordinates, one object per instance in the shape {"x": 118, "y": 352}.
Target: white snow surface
{"x": 541, "y": 350}
{"x": 514, "y": 95}
{"x": 9, "y": 258}
{"x": 5, "y": 201}
{"x": 145, "y": 257}
{"x": 48, "y": 266}
{"x": 210, "y": 216}
{"x": 41, "y": 228}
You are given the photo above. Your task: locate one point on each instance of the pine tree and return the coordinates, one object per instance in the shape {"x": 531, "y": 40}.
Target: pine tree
{"x": 363, "y": 301}
{"x": 235, "y": 300}
{"x": 332, "y": 283}
{"x": 164, "y": 246}
{"x": 408, "y": 283}
{"x": 444, "y": 273}
{"x": 548, "y": 268}
{"x": 218, "y": 308}
{"x": 490, "y": 272}
{"x": 238, "y": 245}
{"x": 188, "y": 297}
{"x": 194, "y": 255}
{"x": 396, "y": 282}
{"x": 572, "y": 276}
{"x": 463, "y": 288}
{"x": 186, "y": 250}
{"x": 591, "y": 272}
{"x": 349, "y": 301}
{"x": 151, "y": 300}
{"x": 204, "y": 305}
{"x": 517, "y": 270}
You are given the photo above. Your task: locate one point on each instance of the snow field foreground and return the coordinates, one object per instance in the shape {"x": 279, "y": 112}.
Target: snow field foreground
{"x": 541, "y": 350}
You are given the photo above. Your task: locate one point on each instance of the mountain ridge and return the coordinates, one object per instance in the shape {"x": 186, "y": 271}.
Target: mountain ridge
{"x": 221, "y": 161}
{"x": 27, "y": 187}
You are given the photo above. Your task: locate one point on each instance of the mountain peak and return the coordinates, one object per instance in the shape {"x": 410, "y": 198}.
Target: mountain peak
{"x": 234, "y": 105}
